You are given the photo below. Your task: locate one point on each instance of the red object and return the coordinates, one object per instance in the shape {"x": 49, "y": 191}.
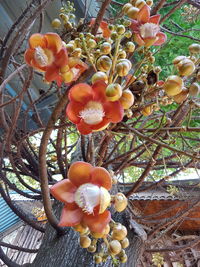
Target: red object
{"x": 103, "y": 27}
{"x": 89, "y": 108}
{"x": 82, "y": 173}
{"x": 146, "y": 28}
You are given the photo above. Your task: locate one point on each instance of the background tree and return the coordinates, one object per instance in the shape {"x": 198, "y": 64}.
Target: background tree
{"x": 157, "y": 139}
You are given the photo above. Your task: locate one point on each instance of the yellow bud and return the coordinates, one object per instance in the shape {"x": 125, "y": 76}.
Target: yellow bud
{"x": 80, "y": 228}
{"x": 186, "y": 67}
{"x": 122, "y": 54}
{"x": 97, "y": 259}
{"x": 124, "y": 242}
{"x": 115, "y": 247}
{"x": 84, "y": 241}
{"x": 104, "y": 63}
{"x": 120, "y": 29}
{"x": 91, "y": 43}
{"x": 182, "y": 96}
{"x": 64, "y": 17}
{"x": 194, "y": 48}
{"x": 99, "y": 76}
{"x": 133, "y": 12}
{"x": 68, "y": 26}
{"x": 56, "y": 23}
{"x": 120, "y": 202}
{"x": 70, "y": 48}
{"x": 173, "y": 85}
{"x": 140, "y": 3}
{"x": 128, "y": 34}
{"x": 114, "y": 35}
{"x": 64, "y": 69}
{"x": 91, "y": 249}
{"x": 67, "y": 76}
{"x": 126, "y": 7}
{"x": 130, "y": 47}
{"x": 119, "y": 232}
{"x": 178, "y": 59}
{"x": 123, "y": 67}
{"x": 194, "y": 89}
{"x": 149, "y": 2}
{"x": 147, "y": 110}
{"x": 77, "y": 52}
{"x": 113, "y": 92}
{"x": 123, "y": 259}
{"x": 105, "y": 48}
{"x": 127, "y": 99}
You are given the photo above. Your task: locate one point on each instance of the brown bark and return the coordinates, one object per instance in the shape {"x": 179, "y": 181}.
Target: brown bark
{"x": 65, "y": 251}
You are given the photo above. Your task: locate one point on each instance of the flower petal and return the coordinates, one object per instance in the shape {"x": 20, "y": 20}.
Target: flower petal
{"x": 101, "y": 177}
{"x": 80, "y": 173}
{"x": 71, "y": 215}
{"x": 64, "y": 191}
{"x": 138, "y": 39}
{"x": 97, "y": 222}
{"x": 54, "y": 42}
{"x": 73, "y": 111}
{"x": 113, "y": 111}
{"x": 134, "y": 25}
{"x": 154, "y": 19}
{"x": 99, "y": 91}
{"x": 36, "y": 40}
{"x": 100, "y": 125}
{"x": 84, "y": 128}
{"x": 144, "y": 14}
{"x": 52, "y": 73}
{"x": 61, "y": 59}
{"x": 80, "y": 92}
{"x": 106, "y": 31}
{"x": 161, "y": 38}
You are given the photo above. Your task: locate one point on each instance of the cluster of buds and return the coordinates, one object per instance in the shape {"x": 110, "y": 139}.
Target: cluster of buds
{"x": 191, "y": 13}
{"x": 132, "y": 8}
{"x": 66, "y": 17}
{"x": 86, "y": 197}
{"x": 111, "y": 242}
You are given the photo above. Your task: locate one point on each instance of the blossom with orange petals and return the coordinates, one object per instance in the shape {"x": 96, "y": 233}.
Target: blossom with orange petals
{"x": 47, "y": 53}
{"x": 146, "y": 28}
{"x": 103, "y": 28}
{"x": 89, "y": 108}
{"x": 86, "y": 197}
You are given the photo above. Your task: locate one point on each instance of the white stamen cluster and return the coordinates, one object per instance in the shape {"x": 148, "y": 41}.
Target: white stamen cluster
{"x": 41, "y": 57}
{"x": 149, "y": 30}
{"x": 92, "y": 116}
{"x": 87, "y": 197}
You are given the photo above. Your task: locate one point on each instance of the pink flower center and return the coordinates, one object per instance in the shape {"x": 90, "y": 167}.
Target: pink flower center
{"x": 149, "y": 30}
{"x": 93, "y": 113}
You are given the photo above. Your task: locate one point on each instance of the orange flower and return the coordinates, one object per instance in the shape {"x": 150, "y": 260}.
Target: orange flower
{"x": 103, "y": 28}
{"x": 89, "y": 108}
{"x": 146, "y": 28}
{"x": 46, "y": 53}
{"x": 86, "y": 197}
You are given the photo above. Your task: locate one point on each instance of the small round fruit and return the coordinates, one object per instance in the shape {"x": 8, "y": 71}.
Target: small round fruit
{"x": 127, "y": 99}
{"x": 120, "y": 202}
{"x": 133, "y": 12}
{"x": 130, "y": 47}
{"x": 194, "y": 48}
{"x": 123, "y": 67}
{"x": 119, "y": 232}
{"x": 56, "y": 23}
{"x": 84, "y": 241}
{"x": 91, "y": 43}
{"x": 113, "y": 92}
{"x": 125, "y": 242}
{"x": 99, "y": 76}
{"x": 120, "y": 29}
{"x": 173, "y": 85}
{"x": 186, "y": 67}
{"x": 147, "y": 110}
{"x": 194, "y": 89}
{"x": 104, "y": 63}
{"x": 115, "y": 247}
{"x": 97, "y": 259}
{"x": 105, "y": 48}
{"x": 182, "y": 96}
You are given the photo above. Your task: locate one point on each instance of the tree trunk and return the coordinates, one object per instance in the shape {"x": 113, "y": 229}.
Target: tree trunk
{"x": 64, "y": 251}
